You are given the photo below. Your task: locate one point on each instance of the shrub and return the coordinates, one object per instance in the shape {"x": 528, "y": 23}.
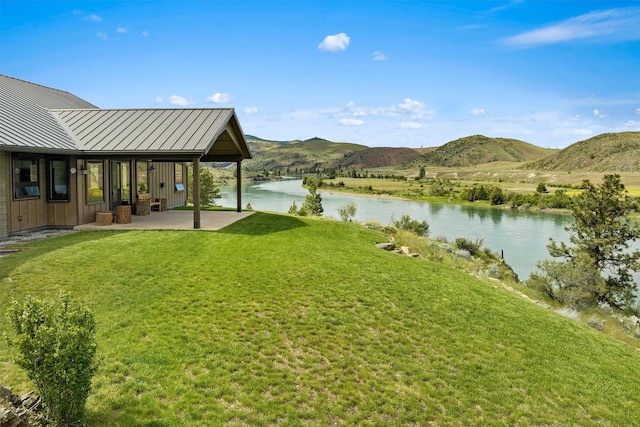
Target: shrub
{"x": 347, "y": 212}
{"x": 56, "y": 346}
{"x": 468, "y": 245}
{"x": 421, "y": 228}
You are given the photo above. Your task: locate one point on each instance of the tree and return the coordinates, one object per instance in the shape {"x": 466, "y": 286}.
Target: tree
{"x": 541, "y": 188}
{"x": 56, "y": 346}
{"x": 599, "y": 242}
{"x": 422, "y": 173}
{"x": 208, "y": 189}
{"x": 347, "y": 212}
{"x": 313, "y": 202}
{"x": 497, "y": 196}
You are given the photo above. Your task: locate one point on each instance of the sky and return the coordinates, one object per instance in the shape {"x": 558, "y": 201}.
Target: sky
{"x": 394, "y": 73}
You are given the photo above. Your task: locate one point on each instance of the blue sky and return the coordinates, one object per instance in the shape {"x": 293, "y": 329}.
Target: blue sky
{"x": 380, "y": 73}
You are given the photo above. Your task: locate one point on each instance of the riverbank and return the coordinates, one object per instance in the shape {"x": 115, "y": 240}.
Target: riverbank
{"x": 398, "y": 191}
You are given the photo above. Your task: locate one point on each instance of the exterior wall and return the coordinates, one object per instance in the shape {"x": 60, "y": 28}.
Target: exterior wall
{"x": 22, "y": 215}
{"x": 65, "y": 213}
{"x": 31, "y": 213}
{"x": 162, "y": 184}
{"x": 5, "y": 192}
{"x": 87, "y": 212}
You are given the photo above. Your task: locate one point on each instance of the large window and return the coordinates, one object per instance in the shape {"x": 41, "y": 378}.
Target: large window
{"x": 26, "y": 182}
{"x": 142, "y": 177}
{"x": 58, "y": 172}
{"x": 178, "y": 177}
{"x": 95, "y": 182}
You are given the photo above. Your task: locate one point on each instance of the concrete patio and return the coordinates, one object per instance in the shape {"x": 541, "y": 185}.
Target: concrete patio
{"x": 173, "y": 220}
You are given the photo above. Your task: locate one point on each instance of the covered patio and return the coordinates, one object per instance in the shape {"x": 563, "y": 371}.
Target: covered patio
{"x": 173, "y": 220}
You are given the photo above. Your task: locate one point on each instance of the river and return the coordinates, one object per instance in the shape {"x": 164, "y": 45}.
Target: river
{"x": 521, "y": 236}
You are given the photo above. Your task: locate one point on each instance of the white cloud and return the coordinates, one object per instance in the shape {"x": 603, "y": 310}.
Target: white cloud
{"x": 335, "y": 43}
{"x": 637, "y": 112}
{"x": 159, "y": 100}
{"x": 180, "y": 101}
{"x": 633, "y": 124}
{"x": 379, "y": 56}
{"x": 410, "y": 125}
{"x": 599, "y": 114}
{"x": 93, "y": 18}
{"x": 351, "y": 122}
{"x": 612, "y": 24}
{"x": 121, "y": 30}
{"x": 145, "y": 34}
{"x": 219, "y": 98}
{"x": 250, "y": 110}
{"x": 413, "y": 108}
{"x": 408, "y": 107}
{"x": 102, "y": 36}
{"x": 475, "y": 112}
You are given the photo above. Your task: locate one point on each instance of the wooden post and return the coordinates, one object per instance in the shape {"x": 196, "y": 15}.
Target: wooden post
{"x": 196, "y": 193}
{"x": 239, "y": 186}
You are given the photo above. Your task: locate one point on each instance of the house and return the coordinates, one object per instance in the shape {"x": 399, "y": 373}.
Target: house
{"x": 62, "y": 159}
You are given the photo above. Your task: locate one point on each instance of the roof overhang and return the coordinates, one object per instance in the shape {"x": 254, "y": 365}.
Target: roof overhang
{"x": 156, "y": 134}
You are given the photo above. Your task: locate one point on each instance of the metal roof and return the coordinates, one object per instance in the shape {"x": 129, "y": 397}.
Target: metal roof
{"x": 37, "y": 118}
{"x": 25, "y": 122}
{"x": 157, "y": 131}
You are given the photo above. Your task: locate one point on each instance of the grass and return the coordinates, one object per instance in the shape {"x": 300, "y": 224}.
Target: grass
{"x": 299, "y": 321}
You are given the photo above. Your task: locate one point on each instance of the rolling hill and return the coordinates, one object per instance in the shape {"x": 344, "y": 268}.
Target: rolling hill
{"x": 613, "y": 152}
{"x": 378, "y": 157}
{"x": 302, "y": 155}
{"x": 480, "y": 149}
{"x": 619, "y": 152}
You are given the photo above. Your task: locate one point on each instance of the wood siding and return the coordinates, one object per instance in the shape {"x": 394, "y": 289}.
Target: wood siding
{"x": 165, "y": 174}
{"x": 5, "y": 182}
{"x": 65, "y": 213}
{"x": 27, "y": 214}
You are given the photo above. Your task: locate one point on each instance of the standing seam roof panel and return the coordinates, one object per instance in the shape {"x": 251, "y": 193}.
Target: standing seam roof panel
{"x": 184, "y": 131}
{"x": 206, "y": 129}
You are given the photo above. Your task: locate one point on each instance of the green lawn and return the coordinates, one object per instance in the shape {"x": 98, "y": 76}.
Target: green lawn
{"x": 296, "y": 321}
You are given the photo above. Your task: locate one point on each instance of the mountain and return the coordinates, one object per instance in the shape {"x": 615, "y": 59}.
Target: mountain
{"x": 378, "y": 157}
{"x": 303, "y": 155}
{"x": 480, "y": 149}
{"x": 614, "y": 152}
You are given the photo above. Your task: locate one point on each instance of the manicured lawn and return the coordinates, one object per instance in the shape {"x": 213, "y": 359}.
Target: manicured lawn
{"x": 295, "y": 321}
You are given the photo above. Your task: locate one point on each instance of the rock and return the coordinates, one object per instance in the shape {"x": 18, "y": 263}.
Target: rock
{"x": 387, "y": 246}
{"x": 405, "y": 250}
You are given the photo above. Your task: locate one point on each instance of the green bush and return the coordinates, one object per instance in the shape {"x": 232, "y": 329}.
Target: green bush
{"x": 421, "y": 228}
{"x": 56, "y": 345}
{"x": 469, "y": 245}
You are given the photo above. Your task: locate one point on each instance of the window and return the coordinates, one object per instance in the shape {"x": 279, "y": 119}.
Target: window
{"x": 26, "y": 182}
{"x": 58, "y": 172}
{"x": 142, "y": 177}
{"x": 178, "y": 177}
{"x": 95, "y": 182}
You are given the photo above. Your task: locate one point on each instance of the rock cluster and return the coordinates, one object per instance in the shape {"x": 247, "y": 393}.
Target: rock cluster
{"x": 391, "y": 246}
{"x": 18, "y": 411}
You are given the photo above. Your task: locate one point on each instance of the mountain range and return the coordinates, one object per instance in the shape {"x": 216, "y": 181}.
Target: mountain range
{"x": 614, "y": 152}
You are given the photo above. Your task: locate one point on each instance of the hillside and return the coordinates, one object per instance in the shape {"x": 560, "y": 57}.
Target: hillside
{"x": 613, "y": 152}
{"x": 302, "y": 155}
{"x": 279, "y": 320}
{"x": 377, "y": 157}
{"x": 479, "y": 149}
